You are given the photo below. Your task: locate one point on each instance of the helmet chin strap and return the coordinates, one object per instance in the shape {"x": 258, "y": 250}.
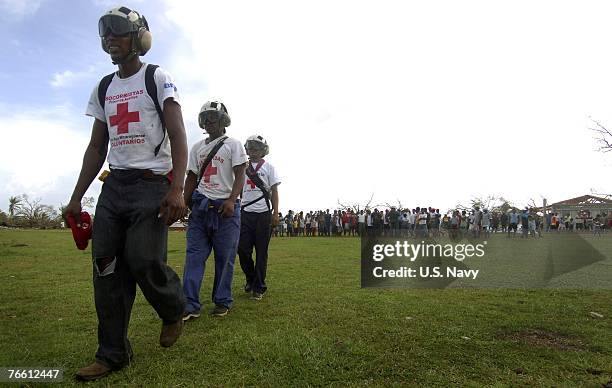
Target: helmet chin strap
{"x": 125, "y": 59}
{"x": 134, "y": 52}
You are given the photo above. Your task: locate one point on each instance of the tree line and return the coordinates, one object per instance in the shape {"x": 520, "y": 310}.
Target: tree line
{"x": 27, "y": 212}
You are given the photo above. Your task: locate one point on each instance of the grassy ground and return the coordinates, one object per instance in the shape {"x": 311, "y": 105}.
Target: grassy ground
{"x": 314, "y": 327}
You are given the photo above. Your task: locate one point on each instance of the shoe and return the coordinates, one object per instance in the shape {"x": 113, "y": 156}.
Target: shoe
{"x": 220, "y": 311}
{"x": 170, "y": 333}
{"x": 91, "y": 372}
{"x": 257, "y": 296}
{"x": 194, "y": 314}
{"x": 247, "y": 288}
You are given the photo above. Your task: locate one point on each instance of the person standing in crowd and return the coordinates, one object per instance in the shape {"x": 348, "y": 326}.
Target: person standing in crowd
{"x": 422, "y": 224}
{"x": 289, "y": 223}
{"x": 513, "y": 220}
{"x": 346, "y": 223}
{"x": 485, "y": 223}
{"x": 314, "y": 224}
{"x": 548, "y": 220}
{"x": 308, "y": 221}
{"x": 504, "y": 222}
{"x": 455, "y": 223}
{"x": 412, "y": 218}
{"x": 353, "y": 220}
{"x": 281, "y": 224}
{"x": 328, "y": 223}
{"x": 465, "y": 224}
{"x": 532, "y": 225}
{"x": 362, "y": 223}
{"x": 394, "y": 221}
{"x": 494, "y": 221}
{"x": 524, "y": 223}
{"x": 597, "y": 225}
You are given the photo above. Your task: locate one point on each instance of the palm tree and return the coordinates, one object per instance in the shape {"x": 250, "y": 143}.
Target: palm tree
{"x": 14, "y": 205}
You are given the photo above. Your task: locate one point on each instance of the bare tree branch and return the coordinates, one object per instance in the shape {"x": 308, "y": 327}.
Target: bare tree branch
{"x": 604, "y": 137}
{"x": 355, "y": 206}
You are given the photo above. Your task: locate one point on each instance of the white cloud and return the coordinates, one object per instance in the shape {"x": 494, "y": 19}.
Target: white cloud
{"x": 42, "y": 152}
{"x": 61, "y": 79}
{"x": 69, "y": 78}
{"x": 12, "y": 10}
{"x": 108, "y": 4}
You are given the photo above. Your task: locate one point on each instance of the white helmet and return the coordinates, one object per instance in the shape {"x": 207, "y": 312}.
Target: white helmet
{"x": 121, "y": 21}
{"x": 257, "y": 142}
{"x": 214, "y": 111}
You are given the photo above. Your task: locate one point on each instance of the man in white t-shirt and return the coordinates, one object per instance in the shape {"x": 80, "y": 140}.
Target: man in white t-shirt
{"x": 476, "y": 221}
{"x": 214, "y": 223}
{"x": 361, "y": 219}
{"x": 139, "y": 199}
{"x": 486, "y": 222}
{"x": 259, "y": 214}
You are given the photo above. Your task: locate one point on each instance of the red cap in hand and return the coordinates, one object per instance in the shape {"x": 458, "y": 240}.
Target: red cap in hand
{"x": 81, "y": 234}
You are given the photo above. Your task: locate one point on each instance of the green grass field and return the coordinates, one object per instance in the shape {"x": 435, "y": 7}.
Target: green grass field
{"x": 314, "y": 327}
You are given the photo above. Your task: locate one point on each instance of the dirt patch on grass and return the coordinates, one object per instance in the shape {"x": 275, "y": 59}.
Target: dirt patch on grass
{"x": 548, "y": 339}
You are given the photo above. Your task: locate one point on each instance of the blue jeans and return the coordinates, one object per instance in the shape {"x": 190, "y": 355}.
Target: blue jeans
{"x": 208, "y": 230}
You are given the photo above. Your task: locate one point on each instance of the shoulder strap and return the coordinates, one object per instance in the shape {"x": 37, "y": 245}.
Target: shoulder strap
{"x": 209, "y": 157}
{"x": 152, "y": 92}
{"x": 103, "y": 87}
{"x": 254, "y": 177}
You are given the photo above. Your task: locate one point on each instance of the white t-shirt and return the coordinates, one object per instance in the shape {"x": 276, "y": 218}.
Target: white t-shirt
{"x": 422, "y": 219}
{"x": 486, "y": 221}
{"x": 134, "y": 127}
{"x": 250, "y": 192}
{"x": 412, "y": 218}
{"x": 218, "y": 178}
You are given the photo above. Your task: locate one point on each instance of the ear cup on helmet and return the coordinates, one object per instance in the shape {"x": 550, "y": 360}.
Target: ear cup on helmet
{"x": 145, "y": 39}
{"x": 227, "y": 121}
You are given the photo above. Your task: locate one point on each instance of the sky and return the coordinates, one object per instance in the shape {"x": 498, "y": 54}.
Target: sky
{"x": 418, "y": 103}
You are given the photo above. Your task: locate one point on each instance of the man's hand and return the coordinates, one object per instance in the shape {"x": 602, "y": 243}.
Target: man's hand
{"x": 275, "y": 220}
{"x": 227, "y": 209}
{"x": 73, "y": 208}
{"x": 172, "y": 206}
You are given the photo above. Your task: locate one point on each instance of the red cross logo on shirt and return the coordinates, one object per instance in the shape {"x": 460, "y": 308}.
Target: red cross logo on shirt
{"x": 250, "y": 183}
{"x": 210, "y": 171}
{"x": 123, "y": 118}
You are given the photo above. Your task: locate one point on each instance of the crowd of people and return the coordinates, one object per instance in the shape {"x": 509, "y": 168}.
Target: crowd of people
{"x": 429, "y": 222}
